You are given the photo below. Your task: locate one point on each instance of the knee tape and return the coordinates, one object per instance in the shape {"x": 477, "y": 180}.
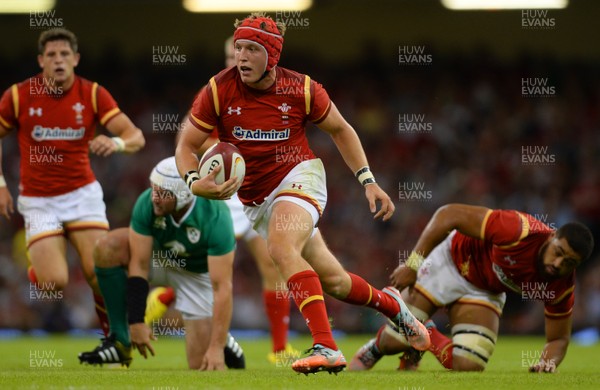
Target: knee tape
{"x": 473, "y": 342}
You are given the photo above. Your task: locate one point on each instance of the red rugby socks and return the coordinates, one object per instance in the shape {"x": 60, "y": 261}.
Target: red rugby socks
{"x": 305, "y": 288}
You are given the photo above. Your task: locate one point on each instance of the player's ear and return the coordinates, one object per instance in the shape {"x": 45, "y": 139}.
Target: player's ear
{"x": 40, "y": 59}
{"x": 77, "y": 57}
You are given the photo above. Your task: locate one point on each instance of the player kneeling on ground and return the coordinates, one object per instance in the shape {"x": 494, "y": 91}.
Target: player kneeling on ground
{"x": 194, "y": 242}
{"x": 466, "y": 259}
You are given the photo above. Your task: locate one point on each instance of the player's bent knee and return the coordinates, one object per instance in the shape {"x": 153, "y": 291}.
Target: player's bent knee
{"x": 112, "y": 249}
{"x": 473, "y": 345}
{"x": 281, "y": 254}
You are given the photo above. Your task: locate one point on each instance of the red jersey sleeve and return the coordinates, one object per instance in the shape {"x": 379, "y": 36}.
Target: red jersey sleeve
{"x": 105, "y": 106}
{"x": 204, "y": 114}
{"x": 321, "y": 104}
{"x": 7, "y": 109}
{"x": 505, "y": 227}
{"x": 562, "y": 306}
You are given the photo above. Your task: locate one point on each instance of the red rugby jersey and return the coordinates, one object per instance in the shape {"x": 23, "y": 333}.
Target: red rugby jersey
{"x": 506, "y": 259}
{"x": 54, "y": 127}
{"x": 268, "y": 127}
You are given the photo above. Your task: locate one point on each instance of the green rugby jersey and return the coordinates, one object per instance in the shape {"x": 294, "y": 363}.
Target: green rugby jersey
{"x": 206, "y": 229}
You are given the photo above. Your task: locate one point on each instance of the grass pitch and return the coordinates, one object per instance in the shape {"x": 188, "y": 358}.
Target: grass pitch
{"x": 51, "y": 363}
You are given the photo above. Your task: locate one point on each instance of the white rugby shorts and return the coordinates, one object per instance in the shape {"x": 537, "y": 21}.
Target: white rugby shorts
{"x": 440, "y": 282}
{"x": 305, "y": 185}
{"x": 80, "y": 209}
{"x": 193, "y": 291}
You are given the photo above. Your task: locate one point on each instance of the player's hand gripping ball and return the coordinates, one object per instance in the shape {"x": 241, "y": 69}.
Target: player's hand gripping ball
{"x": 229, "y": 157}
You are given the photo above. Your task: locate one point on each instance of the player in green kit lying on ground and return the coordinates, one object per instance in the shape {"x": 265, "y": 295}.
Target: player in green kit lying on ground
{"x": 174, "y": 239}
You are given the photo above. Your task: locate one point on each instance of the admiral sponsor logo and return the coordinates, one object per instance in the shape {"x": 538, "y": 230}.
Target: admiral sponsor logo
{"x": 260, "y": 135}
{"x": 41, "y": 133}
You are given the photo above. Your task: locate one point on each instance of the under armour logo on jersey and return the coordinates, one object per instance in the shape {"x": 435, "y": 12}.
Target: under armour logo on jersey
{"x": 284, "y": 108}
{"x": 231, "y": 110}
{"x": 35, "y": 111}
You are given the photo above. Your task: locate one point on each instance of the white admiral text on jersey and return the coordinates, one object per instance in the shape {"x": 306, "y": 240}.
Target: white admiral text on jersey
{"x": 41, "y": 133}
{"x": 260, "y": 135}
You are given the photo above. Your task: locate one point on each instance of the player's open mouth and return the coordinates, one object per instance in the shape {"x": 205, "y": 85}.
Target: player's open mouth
{"x": 245, "y": 70}
{"x": 59, "y": 71}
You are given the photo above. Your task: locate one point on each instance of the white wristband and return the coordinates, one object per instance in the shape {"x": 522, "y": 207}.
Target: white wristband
{"x": 365, "y": 176}
{"x": 2, "y": 181}
{"x": 120, "y": 143}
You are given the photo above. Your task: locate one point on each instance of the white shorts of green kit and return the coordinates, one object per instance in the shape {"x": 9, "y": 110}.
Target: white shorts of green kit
{"x": 193, "y": 291}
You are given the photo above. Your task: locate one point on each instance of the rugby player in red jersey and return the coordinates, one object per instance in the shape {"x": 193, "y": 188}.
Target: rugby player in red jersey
{"x": 263, "y": 109}
{"x": 466, "y": 259}
{"x": 275, "y": 296}
{"x": 54, "y": 114}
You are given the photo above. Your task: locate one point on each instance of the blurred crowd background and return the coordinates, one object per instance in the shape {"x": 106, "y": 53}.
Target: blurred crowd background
{"x": 475, "y": 127}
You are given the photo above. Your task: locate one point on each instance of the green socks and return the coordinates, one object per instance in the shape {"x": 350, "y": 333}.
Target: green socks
{"x": 113, "y": 284}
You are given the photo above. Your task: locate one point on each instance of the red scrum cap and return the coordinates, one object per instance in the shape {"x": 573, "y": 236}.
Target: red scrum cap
{"x": 263, "y": 31}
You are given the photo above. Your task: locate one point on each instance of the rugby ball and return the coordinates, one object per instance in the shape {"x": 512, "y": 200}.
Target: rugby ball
{"x": 229, "y": 157}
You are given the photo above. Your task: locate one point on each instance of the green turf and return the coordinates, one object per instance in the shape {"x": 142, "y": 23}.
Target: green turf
{"x": 167, "y": 370}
